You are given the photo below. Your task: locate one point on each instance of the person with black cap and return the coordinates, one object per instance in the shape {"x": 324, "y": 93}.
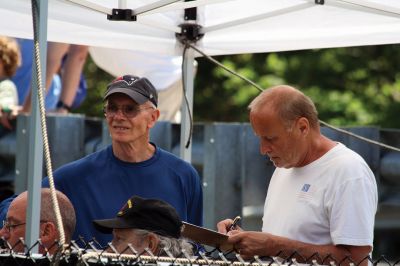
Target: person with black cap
{"x": 146, "y": 224}
{"x": 99, "y": 184}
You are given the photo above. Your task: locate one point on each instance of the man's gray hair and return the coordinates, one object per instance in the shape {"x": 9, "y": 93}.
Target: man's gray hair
{"x": 174, "y": 245}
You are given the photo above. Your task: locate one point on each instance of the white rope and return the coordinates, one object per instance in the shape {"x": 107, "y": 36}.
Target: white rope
{"x": 56, "y": 207}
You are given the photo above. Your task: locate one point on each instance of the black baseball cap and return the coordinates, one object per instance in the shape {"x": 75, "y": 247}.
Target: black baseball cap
{"x": 149, "y": 214}
{"x": 138, "y": 89}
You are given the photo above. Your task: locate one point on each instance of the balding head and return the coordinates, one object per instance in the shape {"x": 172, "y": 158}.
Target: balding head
{"x": 288, "y": 103}
{"x": 16, "y": 219}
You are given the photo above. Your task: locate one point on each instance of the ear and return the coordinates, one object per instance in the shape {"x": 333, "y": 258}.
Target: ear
{"x": 154, "y": 117}
{"x": 153, "y": 242}
{"x": 48, "y": 233}
{"x": 303, "y": 125}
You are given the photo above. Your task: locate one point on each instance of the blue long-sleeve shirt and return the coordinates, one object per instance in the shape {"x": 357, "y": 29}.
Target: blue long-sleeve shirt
{"x": 99, "y": 184}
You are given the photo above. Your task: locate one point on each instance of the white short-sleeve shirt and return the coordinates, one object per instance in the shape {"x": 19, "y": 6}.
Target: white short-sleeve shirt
{"x": 333, "y": 200}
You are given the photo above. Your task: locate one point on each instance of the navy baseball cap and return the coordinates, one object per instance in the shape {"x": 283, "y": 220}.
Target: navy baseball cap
{"x": 148, "y": 214}
{"x": 138, "y": 89}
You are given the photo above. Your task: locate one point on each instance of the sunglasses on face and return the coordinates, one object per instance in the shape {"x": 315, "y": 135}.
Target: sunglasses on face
{"x": 129, "y": 111}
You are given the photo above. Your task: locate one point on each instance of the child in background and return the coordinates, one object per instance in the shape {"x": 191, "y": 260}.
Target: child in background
{"x": 10, "y": 59}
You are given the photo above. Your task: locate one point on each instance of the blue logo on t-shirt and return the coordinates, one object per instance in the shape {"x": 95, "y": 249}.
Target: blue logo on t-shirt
{"x": 306, "y": 187}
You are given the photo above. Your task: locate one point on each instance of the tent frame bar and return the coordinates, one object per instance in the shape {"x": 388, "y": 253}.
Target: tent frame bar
{"x": 365, "y": 6}
{"x": 251, "y": 19}
{"x": 35, "y": 167}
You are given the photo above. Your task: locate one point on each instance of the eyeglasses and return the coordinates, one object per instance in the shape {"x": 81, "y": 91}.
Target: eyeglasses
{"x": 8, "y": 226}
{"x": 128, "y": 111}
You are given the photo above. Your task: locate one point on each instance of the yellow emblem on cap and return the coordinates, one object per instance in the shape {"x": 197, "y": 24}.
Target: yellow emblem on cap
{"x": 128, "y": 205}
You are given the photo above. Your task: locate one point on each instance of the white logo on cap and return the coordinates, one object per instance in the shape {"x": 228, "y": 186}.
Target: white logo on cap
{"x": 151, "y": 96}
{"x": 132, "y": 80}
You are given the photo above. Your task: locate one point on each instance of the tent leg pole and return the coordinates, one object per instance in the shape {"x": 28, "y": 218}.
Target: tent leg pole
{"x": 188, "y": 73}
{"x": 35, "y": 153}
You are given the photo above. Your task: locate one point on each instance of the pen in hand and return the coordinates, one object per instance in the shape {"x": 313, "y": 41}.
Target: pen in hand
{"x": 234, "y": 223}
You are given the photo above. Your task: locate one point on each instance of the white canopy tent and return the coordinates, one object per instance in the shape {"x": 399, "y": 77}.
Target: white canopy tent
{"x": 229, "y": 27}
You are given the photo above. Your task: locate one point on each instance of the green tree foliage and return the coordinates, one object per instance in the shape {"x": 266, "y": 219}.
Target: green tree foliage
{"x": 97, "y": 80}
{"x": 350, "y": 86}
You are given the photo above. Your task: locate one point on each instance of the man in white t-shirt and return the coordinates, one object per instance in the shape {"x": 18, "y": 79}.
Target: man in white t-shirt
{"x": 322, "y": 197}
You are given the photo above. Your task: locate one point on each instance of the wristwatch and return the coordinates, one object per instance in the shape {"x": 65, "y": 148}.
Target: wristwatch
{"x": 61, "y": 104}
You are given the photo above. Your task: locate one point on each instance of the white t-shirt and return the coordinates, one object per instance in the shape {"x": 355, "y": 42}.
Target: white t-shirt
{"x": 333, "y": 200}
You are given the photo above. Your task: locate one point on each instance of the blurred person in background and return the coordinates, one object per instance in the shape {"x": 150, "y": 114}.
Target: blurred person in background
{"x": 10, "y": 59}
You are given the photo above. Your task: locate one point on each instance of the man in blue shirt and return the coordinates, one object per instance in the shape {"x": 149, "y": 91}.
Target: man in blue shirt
{"x": 100, "y": 183}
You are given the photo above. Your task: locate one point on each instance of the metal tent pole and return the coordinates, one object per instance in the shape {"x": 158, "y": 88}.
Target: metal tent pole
{"x": 35, "y": 153}
{"x": 188, "y": 79}
{"x": 190, "y": 33}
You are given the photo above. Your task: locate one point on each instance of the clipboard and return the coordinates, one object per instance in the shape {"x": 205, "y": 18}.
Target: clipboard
{"x": 206, "y": 236}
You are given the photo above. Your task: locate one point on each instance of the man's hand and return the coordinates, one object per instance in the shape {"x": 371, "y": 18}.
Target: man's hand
{"x": 249, "y": 243}
{"x": 224, "y": 226}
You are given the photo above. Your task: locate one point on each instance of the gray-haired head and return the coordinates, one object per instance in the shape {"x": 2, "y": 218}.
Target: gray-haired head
{"x": 289, "y": 104}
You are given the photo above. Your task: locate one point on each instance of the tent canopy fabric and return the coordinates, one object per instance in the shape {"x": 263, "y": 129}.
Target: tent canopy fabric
{"x": 162, "y": 70}
{"x": 230, "y": 27}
